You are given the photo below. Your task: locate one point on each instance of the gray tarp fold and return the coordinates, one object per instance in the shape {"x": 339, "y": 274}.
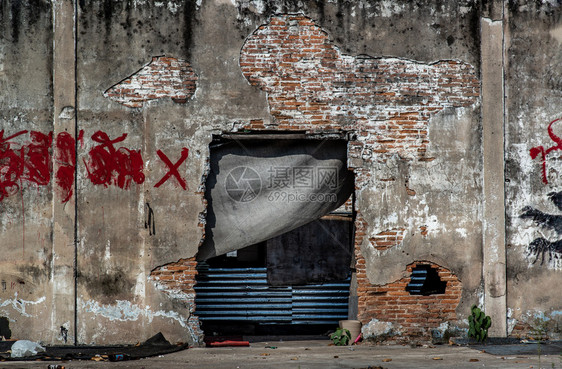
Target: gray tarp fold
{"x": 259, "y": 189}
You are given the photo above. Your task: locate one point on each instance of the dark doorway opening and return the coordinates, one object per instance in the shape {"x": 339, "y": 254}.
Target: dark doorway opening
{"x": 293, "y": 284}
{"x": 277, "y": 254}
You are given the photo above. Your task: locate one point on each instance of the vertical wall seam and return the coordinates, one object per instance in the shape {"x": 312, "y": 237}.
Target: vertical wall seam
{"x": 504, "y": 121}
{"x": 53, "y": 207}
{"x": 76, "y": 145}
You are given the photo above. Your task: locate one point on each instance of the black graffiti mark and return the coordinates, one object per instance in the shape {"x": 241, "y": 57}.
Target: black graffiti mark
{"x": 545, "y": 220}
{"x": 556, "y": 198}
{"x": 150, "y": 224}
{"x": 540, "y": 246}
{"x": 64, "y": 333}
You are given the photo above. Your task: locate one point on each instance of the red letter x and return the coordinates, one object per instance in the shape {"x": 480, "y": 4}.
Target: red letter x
{"x": 173, "y": 167}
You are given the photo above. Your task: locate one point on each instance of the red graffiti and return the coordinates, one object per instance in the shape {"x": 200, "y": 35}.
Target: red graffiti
{"x": 535, "y": 151}
{"x": 173, "y": 171}
{"x": 30, "y": 162}
{"x": 11, "y": 165}
{"x": 108, "y": 165}
{"x": 65, "y": 155}
{"x": 37, "y": 163}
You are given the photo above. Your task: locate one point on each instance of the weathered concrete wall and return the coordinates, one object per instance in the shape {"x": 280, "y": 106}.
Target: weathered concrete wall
{"x": 533, "y": 168}
{"x": 26, "y": 110}
{"x": 156, "y": 79}
{"x": 400, "y": 192}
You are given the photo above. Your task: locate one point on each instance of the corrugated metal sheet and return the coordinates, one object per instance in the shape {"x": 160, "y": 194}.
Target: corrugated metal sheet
{"x": 417, "y": 281}
{"x": 242, "y": 294}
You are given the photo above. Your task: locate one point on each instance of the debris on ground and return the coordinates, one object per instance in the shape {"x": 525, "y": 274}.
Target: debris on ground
{"x": 25, "y": 348}
{"x": 156, "y": 345}
{"x": 230, "y": 344}
{"x": 225, "y": 341}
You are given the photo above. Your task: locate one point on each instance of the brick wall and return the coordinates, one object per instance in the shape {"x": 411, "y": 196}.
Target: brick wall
{"x": 177, "y": 277}
{"x": 521, "y": 330}
{"x": 387, "y": 239}
{"x": 412, "y": 316}
{"x": 387, "y": 102}
{"x": 312, "y": 86}
{"x": 177, "y": 280}
{"x": 162, "y": 77}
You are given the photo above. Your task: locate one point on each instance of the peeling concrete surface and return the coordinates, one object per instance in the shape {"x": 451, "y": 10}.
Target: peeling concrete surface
{"x": 19, "y": 305}
{"x": 529, "y": 116}
{"x": 83, "y": 256}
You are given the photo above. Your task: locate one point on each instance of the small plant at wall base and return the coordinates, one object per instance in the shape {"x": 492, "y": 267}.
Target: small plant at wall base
{"x": 539, "y": 332}
{"x": 340, "y": 337}
{"x": 478, "y": 324}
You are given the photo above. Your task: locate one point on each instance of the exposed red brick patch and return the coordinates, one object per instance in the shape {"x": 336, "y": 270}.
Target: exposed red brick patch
{"x": 414, "y": 316}
{"x": 423, "y": 230}
{"x": 162, "y": 77}
{"x": 312, "y": 86}
{"x": 521, "y": 330}
{"x": 257, "y": 124}
{"x": 360, "y": 229}
{"x": 176, "y": 277}
{"x": 387, "y": 239}
{"x": 535, "y": 329}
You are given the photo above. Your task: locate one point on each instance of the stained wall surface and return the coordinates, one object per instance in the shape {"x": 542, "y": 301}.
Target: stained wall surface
{"x": 100, "y": 222}
{"x": 26, "y": 183}
{"x": 533, "y": 169}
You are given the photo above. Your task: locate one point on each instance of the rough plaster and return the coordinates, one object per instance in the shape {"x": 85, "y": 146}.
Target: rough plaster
{"x": 529, "y": 115}
{"x": 118, "y": 242}
{"x": 437, "y": 202}
{"x": 19, "y": 305}
{"x": 439, "y": 186}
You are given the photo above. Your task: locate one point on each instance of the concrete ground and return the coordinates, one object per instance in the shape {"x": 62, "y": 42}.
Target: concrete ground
{"x": 316, "y": 354}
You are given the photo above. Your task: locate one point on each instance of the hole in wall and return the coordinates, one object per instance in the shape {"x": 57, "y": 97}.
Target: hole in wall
{"x": 425, "y": 281}
{"x": 286, "y": 270}
{"x": 64, "y": 333}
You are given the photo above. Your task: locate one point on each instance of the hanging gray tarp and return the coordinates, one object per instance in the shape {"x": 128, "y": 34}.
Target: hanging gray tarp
{"x": 259, "y": 189}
